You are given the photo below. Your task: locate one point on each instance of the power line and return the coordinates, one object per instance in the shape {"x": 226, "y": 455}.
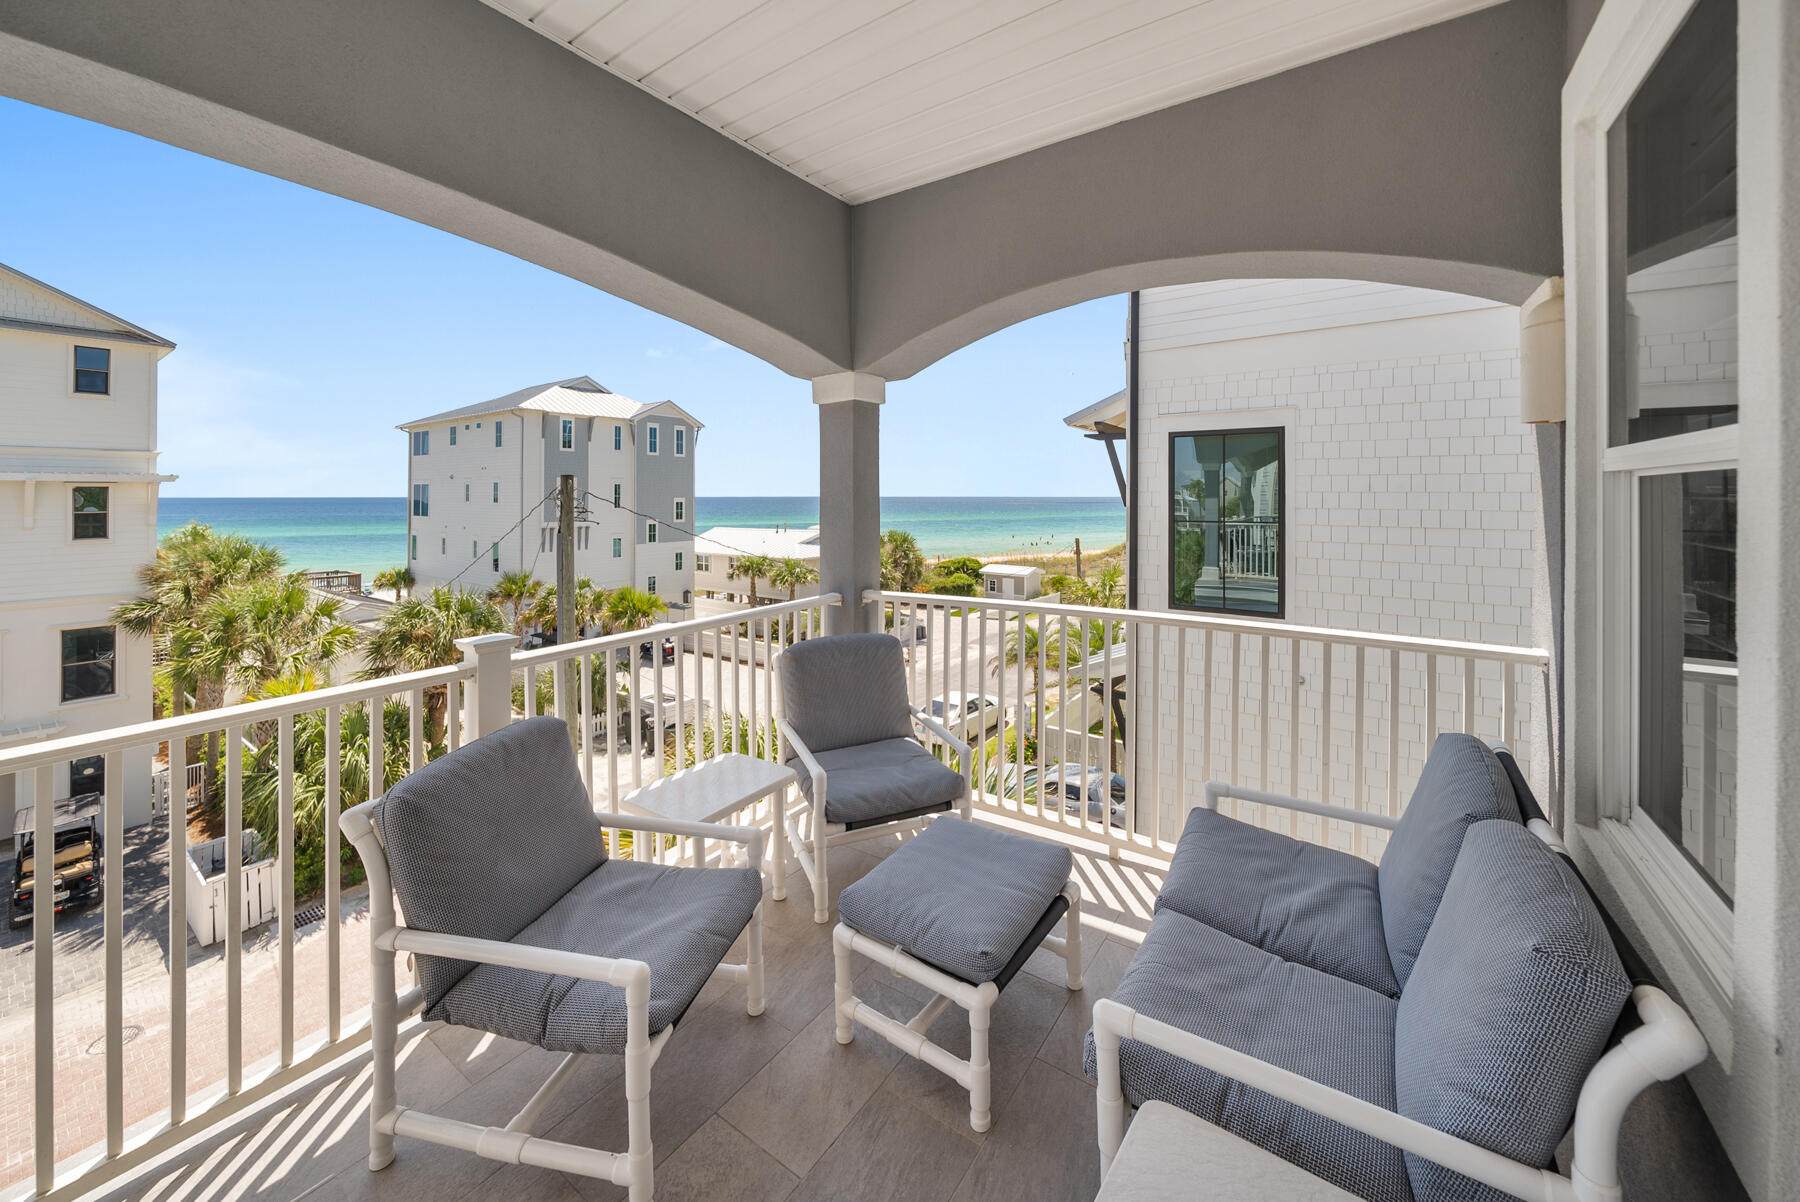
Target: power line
{"x": 650, "y": 517}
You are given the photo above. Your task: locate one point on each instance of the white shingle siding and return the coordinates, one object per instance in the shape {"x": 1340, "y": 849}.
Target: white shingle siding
{"x": 1410, "y": 510}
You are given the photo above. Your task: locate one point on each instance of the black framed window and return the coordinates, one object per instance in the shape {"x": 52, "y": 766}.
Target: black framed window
{"x": 1225, "y": 531}
{"x": 88, "y": 656}
{"x": 90, "y": 502}
{"x": 93, "y": 370}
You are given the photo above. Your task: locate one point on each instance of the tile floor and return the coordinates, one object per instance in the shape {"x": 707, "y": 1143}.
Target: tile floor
{"x": 745, "y": 1109}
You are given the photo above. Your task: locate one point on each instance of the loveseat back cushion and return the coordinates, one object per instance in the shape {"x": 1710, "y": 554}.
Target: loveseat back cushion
{"x": 1462, "y": 784}
{"x": 845, "y": 690}
{"x": 485, "y": 840}
{"x": 1511, "y": 1003}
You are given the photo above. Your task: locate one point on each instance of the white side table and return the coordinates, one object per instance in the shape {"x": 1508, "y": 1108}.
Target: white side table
{"x": 711, "y": 791}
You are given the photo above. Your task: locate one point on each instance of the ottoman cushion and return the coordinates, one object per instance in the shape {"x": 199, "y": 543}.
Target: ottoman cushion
{"x": 960, "y": 897}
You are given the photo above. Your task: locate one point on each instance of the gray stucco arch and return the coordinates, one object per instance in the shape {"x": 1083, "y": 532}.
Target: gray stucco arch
{"x": 1430, "y": 159}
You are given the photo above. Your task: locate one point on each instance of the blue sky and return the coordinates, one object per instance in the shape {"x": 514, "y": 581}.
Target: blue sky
{"x": 307, "y": 326}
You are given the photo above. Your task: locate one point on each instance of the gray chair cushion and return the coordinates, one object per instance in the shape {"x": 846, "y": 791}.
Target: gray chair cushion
{"x": 679, "y": 921}
{"x": 961, "y": 897}
{"x": 1509, "y": 1006}
{"x": 844, "y": 690}
{"x": 875, "y": 781}
{"x": 1339, "y": 1034}
{"x": 484, "y": 840}
{"x": 1296, "y": 900}
{"x": 1462, "y": 784}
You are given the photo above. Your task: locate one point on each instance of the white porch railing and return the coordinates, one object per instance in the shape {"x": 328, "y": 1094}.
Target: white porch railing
{"x": 1162, "y": 700}
{"x": 1165, "y": 701}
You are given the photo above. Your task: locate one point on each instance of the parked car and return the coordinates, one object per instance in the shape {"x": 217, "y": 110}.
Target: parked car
{"x": 75, "y": 875}
{"x": 646, "y": 712}
{"x": 969, "y": 716}
{"x": 1066, "y": 780}
{"x": 538, "y": 638}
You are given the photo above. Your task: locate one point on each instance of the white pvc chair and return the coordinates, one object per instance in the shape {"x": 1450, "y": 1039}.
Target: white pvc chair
{"x": 845, "y": 716}
{"x": 537, "y": 757}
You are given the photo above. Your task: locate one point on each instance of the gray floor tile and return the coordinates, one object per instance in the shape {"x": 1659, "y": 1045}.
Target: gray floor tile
{"x": 893, "y": 1152}
{"x": 474, "y": 1053}
{"x": 1064, "y": 1046}
{"x": 1045, "y": 1149}
{"x": 799, "y": 1102}
{"x": 720, "y": 1164}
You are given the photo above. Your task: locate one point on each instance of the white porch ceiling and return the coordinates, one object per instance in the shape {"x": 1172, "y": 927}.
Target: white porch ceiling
{"x": 865, "y": 98}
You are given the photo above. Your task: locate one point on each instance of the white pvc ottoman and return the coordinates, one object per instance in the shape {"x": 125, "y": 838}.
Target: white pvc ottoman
{"x": 958, "y": 909}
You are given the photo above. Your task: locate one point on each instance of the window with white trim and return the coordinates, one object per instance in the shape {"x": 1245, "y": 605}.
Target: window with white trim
{"x": 678, "y": 561}
{"x": 681, "y": 440}
{"x": 649, "y": 532}
{"x": 618, "y": 491}
{"x": 650, "y": 439}
{"x": 496, "y": 433}
{"x": 421, "y": 500}
{"x": 618, "y": 548}
{"x": 680, "y": 509}
{"x": 93, "y": 370}
{"x": 568, "y": 435}
{"x": 652, "y": 586}
{"x": 702, "y": 563}
{"x": 421, "y": 442}
{"x": 90, "y": 503}
{"x": 452, "y": 433}
{"x": 89, "y": 656}
{"x": 618, "y": 437}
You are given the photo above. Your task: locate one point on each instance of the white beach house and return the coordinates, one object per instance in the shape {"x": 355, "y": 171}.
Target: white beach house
{"x": 78, "y": 491}
{"x": 718, "y": 549}
{"x": 482, "y": 482}
{"x": 1011, "y": 581}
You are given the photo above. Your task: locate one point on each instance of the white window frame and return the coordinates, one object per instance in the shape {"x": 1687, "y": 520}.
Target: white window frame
{"x": 681, "y": 440}
{"x": 652, "y": 439}
{"x": 680, "y": 510}
{"x": 1688, "y": 927}
{"x": 69, "y": 531}
{"x": 618, "y": 548}
{"x": 618, "y": 437}
{"x": 650, "y": 586}
{"x": 567, "y": 441}
{"x": 678, "y": 561}
{"x": 649, "y": 532}
{"x": 452, "y": 433}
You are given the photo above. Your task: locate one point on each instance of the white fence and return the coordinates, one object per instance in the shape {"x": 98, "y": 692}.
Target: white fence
{"x": 206, "y": 894}
{"x": 1166, "y": 700}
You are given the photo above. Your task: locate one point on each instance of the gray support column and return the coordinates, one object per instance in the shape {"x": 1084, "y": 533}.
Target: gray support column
{"x": 849, "y": 493}
{"x": 1762, "y": 1131}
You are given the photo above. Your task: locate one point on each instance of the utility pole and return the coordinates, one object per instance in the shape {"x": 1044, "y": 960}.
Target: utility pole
{"x": 565, "y": 604}
{"x": 1078, "y": 574}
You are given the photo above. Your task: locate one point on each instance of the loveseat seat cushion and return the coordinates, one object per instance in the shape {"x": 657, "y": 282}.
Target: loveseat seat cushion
{"x": 483, "y": 841}
{"x": 1338, "y": 1033}
{"x": 679, "y": 921}
{"x": 1511, "y": 1003}
{"x": 879, "y": 782}
{"x": 1293, "y": 899}
{"x": 1462, "y": 784}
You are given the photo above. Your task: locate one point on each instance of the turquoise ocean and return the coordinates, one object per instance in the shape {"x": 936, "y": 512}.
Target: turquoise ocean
{"x": 367, "y": 534}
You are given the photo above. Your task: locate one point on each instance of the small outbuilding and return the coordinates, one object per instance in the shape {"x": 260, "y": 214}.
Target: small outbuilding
{"x": 1014, "y": 582}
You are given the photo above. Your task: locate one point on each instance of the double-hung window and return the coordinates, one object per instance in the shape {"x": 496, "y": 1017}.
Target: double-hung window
{"x": 618, "y": 548}
{"x": 617, "y": 490}
{"x": 618, "y": 437}
{"x": 703, "y": 563}
{"x": 453, "y": 434}
{"x": 421, "y": 442}
{"x": 650, "y": 434}
{"x": 678, "y": 561}
{"x": 93, "y": 370}
{"x": 1653, "y": 439}
{"x": 421, "y": 500}
{"x": 88, "y": 661}
{"x": 90, "y": 504}
{"x": 680, "y": 510}
{"x": 651, "y": 589}
{"x": 650, "y": 532}
{"x": 496, "y": 433}
{"x": 1225, "y": 521}
{"x": 681, "y": 440}
{"x": 568, "y": 435}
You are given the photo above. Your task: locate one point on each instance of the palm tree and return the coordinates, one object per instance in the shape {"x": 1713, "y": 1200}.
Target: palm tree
{"x": 398, "y": 579}
{"x": 751, "y": 567}
{"x": 902, "y": 563}
{"x": 516, "y": 591}
{"x": 267, "y": 629}
{"x": 421, "y": 632}
{"x": 590, "y": 607}
{"x": 192, "y": 566}
{"x": 632, "y": 609}
{"x": 790, "y": 574}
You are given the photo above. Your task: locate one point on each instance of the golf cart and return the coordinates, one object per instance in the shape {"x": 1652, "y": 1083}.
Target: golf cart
{"x": 75, "y": 866}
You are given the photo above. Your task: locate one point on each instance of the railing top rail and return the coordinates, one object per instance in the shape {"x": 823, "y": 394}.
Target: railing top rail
{"x": 1352, "y": 638}
{"x": 119, "y": 738}
{"x": 539, "y": 656}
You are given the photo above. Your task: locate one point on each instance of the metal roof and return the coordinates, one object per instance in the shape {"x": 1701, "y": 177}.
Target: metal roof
{"x": 580, "y": 396}
{"x": 1109, "y": 413}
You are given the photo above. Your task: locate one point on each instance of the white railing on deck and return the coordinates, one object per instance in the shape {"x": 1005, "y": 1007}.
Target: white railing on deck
{"x": 1291, "y": 709}
{"x": 1337, "y": 716}
{"x": 720, "y": 685}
